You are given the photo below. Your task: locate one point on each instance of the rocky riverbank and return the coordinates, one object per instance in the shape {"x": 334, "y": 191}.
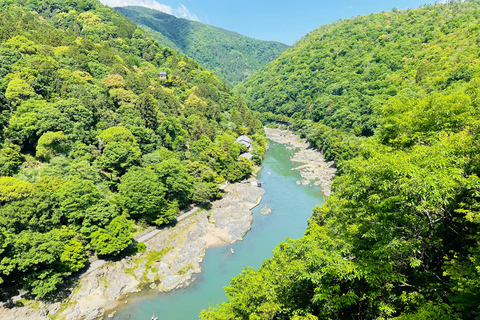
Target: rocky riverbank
{"x": 170, "y": 260}
{"x": 314, "y": 168}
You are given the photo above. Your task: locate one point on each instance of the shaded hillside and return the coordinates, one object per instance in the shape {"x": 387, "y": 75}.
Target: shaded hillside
{"x": 93, "y": 145}
{"x": 394, "y": 98}
{"x": 229, "y": 54}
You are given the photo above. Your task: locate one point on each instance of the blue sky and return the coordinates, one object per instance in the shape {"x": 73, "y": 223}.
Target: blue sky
{"x": 281, "y": 20}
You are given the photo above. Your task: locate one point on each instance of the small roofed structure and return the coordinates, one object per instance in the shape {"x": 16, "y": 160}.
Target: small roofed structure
{"x": 245, "y": 140}
{"x": 162, "y": 75}
{"x": 247, "y": 155}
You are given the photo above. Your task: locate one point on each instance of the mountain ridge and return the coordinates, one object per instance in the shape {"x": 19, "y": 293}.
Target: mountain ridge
{"x": 229, "y": 54}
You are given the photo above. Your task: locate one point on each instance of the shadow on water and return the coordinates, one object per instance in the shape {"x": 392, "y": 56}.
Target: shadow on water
{"x": 291, "y": 207}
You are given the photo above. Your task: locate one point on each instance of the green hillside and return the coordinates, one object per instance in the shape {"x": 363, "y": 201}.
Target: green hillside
{"x": 393, "y": 97}
{"x": 93, "y": 145}
{"x": 229, "y": 54}
{"x": 339, "y": 76}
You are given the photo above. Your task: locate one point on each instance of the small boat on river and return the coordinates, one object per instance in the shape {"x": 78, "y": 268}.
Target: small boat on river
{"x": 153, "y": 317}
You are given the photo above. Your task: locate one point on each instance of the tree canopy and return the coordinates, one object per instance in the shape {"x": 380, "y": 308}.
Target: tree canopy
{"x": 393, "y": 98}
{"x": 93, "y": 144}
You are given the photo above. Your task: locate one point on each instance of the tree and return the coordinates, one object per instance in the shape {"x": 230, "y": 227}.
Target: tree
{"x": 97, "y": 216}
{"x": 12, "y": 189}
{"x": 31, "y": 255}
{"x": 117, "y": 157}
{"x": 142, "y": 194}
{"x": 147, "y": 106}
{"x": 10, "y": 161}
{"x": 18, "y": 90}
{"x": 69, "y": 116}
{"x": 114, "y": 238}
{"x": 176, "y": 180}
{"x": 114, "y": 81}
{"x": 22, "y": 129}
{"x": 239, "y": 170}
{"x": 121, "y": 151}
{"x": 75, "y": 201}
{"x": 74, "y": 256}
{"x": 51, "y": 144}
{"x": 205, "y": 185}
{"x": 30, "y": 206}
{"x": 117, "y": 134}
{"x": 159, "y": 155}
{"x": 173, "y": 134}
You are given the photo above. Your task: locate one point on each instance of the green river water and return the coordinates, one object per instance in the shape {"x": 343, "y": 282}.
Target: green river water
{"x": 292, "y": 206}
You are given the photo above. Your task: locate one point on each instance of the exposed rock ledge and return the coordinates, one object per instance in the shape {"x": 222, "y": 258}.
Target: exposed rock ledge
{"x": 314, "y": 167}
{"x": 169, "y": 262}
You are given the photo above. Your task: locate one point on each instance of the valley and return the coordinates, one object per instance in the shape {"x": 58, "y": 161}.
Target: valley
{"x": 111, "y": 133}
{"x": 231, "y": 56}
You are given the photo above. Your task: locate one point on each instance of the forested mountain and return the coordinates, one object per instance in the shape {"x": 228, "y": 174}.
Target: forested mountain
{"x": 94, "y": 145}
{"x": 229, "y": 54}
{"x": 337, "y": 78}
{"x": 393, "y": 97}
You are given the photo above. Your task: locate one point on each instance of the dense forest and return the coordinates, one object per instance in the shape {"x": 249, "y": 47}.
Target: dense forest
{"x": 94, "y": 146}
{"x": 334, "y": 82}
{"x": 393, "y": 97}
{"x": 230, "y": 55}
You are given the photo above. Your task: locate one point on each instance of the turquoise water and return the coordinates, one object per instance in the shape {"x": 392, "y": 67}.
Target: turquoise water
{"x": 292, "y": 206}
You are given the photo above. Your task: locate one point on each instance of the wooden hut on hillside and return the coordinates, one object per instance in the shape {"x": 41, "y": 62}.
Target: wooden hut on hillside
{"x": 247, "y": 155}
{"x": 162, "y": 75}
{"x": 245, "y": 140}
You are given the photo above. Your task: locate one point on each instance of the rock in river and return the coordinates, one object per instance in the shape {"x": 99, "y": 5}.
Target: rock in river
{"x": 266, "y": 210}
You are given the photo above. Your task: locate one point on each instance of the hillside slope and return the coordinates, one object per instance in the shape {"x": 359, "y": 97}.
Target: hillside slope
{"x": 94, "y": 145}
{"x": 394, "y": 98}
{"x": 229, "y": 54}
{"x": 341, "y": 74}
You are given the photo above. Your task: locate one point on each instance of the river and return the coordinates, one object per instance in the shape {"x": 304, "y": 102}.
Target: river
{"x": 292, "y": 206}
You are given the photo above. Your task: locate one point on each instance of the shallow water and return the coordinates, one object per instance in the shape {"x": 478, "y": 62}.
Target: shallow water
{"x": 292, "y": 206}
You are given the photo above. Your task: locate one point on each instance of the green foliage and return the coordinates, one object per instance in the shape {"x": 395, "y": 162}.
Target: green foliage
{"x": 51, "y": 144}
{"x": 14, "y": 189}
{"x": 430, "y": 311}
{"x": 177, "y": 182}
{"x": 79, "y": 89}
{"x": 117, "y": 134}
{"x": 140, "y": 247}
{"x": 30, "y": 256}
{"x": 117, "y": 157}
{"x": 173, "y": 134}
{"x": 333, "y": 83}
{"x": 17, "y": 90}
{"x": 393, "y": 98}
{"x": 148, "y": 109}
{"x": 114, "y": 238}
{"x": 231, "y": 56}
{"x": 10, "y": 161}
{"x": 142, "y": 194}
{"x": 73, "y": 256}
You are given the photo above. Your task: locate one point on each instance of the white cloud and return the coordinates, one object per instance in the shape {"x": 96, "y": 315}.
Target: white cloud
{"x": 183, "y": 12}
{"x": 180, "y": 12}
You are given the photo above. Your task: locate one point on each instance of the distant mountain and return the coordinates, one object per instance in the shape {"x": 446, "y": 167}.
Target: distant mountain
{"x": 230, "y": 55}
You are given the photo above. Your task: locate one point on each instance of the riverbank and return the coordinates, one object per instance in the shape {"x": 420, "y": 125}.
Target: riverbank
{"x": 171, "y": 258}
{"x": 314, "y": 168}
{"x": 174, "y": 254}
{"x": 291, "y": 208}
